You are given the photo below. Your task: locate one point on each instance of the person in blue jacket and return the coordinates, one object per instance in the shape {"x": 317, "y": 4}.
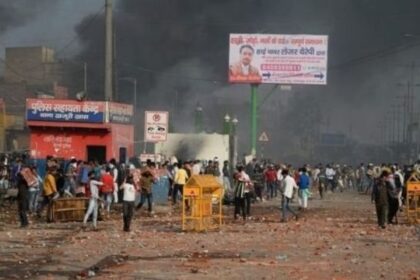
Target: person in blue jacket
{"x": 303, "y": 189}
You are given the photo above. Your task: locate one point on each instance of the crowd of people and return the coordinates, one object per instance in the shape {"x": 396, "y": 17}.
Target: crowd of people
{"x": 249, "y": 182}
{"x": 263, "y": 181}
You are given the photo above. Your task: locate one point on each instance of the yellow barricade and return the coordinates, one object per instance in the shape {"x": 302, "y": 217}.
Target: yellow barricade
{"x": 413, "y": 199}
{"x": 202, "y": 203}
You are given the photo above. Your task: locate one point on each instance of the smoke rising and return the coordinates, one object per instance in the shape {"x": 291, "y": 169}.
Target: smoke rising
{"x": 17, "y": 13}
{"x": 178, "y": 52}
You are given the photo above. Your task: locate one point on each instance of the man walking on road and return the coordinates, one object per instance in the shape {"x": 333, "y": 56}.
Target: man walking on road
{"x": 303, "y": 189}
{"x": 289, "y": 184}
{"x": 270, "y": 177}
{"x": 381, "y": 199}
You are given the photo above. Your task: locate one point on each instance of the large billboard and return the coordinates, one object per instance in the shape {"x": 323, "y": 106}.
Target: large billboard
{"x": 278, "y": 59}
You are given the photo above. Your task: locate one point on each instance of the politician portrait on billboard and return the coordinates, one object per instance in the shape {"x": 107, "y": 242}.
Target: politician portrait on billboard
{"x": 278, "y": 59}
{"x": 243, "y": 70}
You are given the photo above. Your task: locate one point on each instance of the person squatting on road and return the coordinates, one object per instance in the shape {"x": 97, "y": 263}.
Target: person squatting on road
{"x": 128, "y": 202}
{"x": 289, "y": 184}
{"x": 93, "y": 201}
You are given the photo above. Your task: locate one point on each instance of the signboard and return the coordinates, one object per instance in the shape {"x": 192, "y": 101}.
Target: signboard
{"x": 64, "y": 110}
{"x": 152, "y": 157}
{"x": 156, "y": 126}
{"x": 263, "y": 137}
{"x": 192, "y": 191}
{"x": 120, "y": 113}
{"x": 279, "y": 59}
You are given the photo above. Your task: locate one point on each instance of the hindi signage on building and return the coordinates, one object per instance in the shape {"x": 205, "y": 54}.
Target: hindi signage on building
{"x": 279, "y": 59}
{"x": 64, "y": 110}
{"x": 120, "y": 113}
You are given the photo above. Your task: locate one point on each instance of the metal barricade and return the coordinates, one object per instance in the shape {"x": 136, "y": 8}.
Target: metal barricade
{"x": 413, "y": 199}
{"x": 202, "y": 203}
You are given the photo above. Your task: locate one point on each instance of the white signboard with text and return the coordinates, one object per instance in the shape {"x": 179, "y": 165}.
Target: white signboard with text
{"x": 156, "y": 126}
{"x": 279, "y": 59}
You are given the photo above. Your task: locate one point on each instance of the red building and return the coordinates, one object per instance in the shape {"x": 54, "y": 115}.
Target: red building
{"x": 86, "y": 130}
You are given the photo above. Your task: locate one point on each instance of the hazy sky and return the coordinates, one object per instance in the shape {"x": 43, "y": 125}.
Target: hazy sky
{"x": 51, "y": 23}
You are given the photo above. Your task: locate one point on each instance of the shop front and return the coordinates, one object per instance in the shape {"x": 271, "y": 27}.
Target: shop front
{"x": 85, "y": 130}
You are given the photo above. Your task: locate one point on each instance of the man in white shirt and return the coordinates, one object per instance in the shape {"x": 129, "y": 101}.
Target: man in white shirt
{"x": 196, "y": 168}
{"x": 128, "y": 202}
{"x": 114, "y": 173}
{"x": 289, "y": 184}
{"x": 330, "y": 174}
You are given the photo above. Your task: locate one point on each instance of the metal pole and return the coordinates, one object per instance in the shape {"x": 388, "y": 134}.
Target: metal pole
{"x": 254, "y": 107}
{"x": 135, "y": 96}
{"x": 135, "y": 112}
{"x": 406, "y": 108}
{"x": 108, "y": 50}
{"x": 85, "y": 78}
{"x": 393, "y": 113}
{"x": 226, "y": 124}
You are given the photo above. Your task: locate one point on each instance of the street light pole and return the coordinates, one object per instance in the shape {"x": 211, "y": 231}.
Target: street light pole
{"x": 134, "y": 81}
{"x": 85, "y": 78}
{"x": 135, "y": 96}
{"x": 235, "y": 141}
{"x": 254, "y": 121}
{"x": 226, "y": 125}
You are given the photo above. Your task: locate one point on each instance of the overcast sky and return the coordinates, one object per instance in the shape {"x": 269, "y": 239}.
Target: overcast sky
{"x": 51, "y": 23}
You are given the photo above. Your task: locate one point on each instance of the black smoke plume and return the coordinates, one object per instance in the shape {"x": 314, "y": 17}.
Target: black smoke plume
{"x": 178, "y": 52}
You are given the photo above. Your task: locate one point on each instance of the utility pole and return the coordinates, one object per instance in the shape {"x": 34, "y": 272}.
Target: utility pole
{"x": 254, "y": 117}
{"x": 408, "y": 107}
{"x": 393, "y": 125}
{"x": 85, "y": 78}
{"x": 108, "y": 50}
{"x": 405, "y": 109}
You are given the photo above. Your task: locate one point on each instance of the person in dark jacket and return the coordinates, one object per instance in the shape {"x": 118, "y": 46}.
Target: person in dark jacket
{"x": 23, "y": 199}
{"x": 380, "y": 195}
{"x": 146, "y": 183}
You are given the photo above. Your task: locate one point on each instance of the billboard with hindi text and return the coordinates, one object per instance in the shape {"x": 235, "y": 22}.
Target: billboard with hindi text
{"x": 278, "y": 59}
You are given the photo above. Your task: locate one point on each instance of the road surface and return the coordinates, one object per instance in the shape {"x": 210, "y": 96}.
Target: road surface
{"x": 337, "y": 238}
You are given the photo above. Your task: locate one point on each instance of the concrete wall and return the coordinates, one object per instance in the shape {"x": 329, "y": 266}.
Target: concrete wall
{"x": 195, "y": 146}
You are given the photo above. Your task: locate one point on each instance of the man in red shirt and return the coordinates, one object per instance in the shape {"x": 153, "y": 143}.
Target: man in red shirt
{"x": 107, "y": 188}
{"x": 270, "y": 176}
